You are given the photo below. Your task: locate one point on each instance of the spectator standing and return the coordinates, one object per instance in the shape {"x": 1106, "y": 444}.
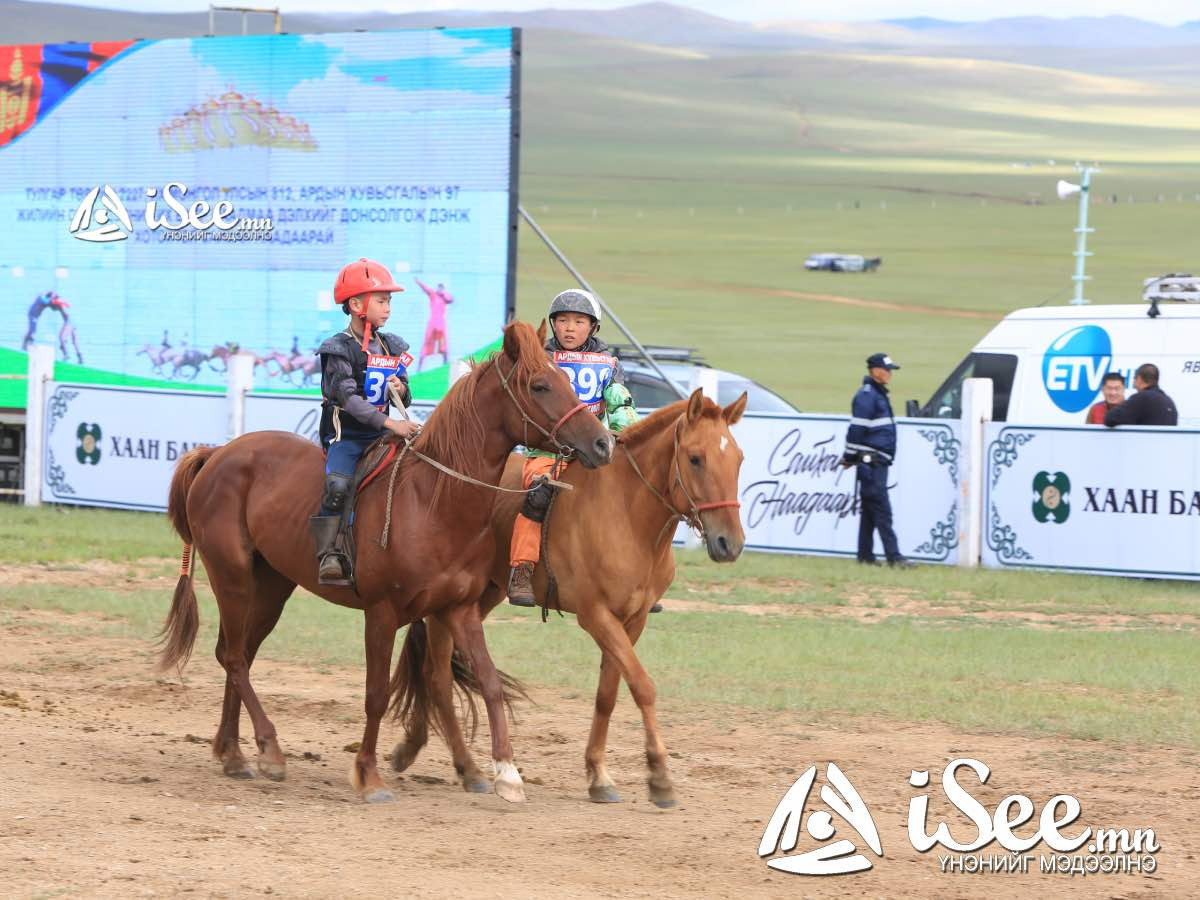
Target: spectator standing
{"x": 1149, "y": 406}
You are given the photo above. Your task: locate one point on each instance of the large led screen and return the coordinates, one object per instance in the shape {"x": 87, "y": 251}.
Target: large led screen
{"x": 166, "y": 203}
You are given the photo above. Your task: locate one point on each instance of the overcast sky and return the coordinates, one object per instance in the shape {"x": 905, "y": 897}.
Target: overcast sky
{"x": 1169, "y": 12}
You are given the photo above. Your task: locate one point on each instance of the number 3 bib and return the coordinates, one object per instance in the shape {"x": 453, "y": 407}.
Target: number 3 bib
{"x": 379, "y": 367}
{"x": 590, "y": 374}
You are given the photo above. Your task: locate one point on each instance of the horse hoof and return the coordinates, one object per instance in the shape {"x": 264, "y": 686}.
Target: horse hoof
{"x": 402, "y": 757}
{"x": 510, "y": 791}
{"x": 663, "y": 800}
{"x": 237, "y": 768}
{"x": 476, "y": 786}
{"x": 603, "y": 793}
{"x": 379, "y": 795}
{"x": 276, "y": 771}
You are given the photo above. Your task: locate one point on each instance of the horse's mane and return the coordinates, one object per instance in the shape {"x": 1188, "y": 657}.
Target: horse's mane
{"x": 454, "y": 434}
{"x": 661, "y": 419}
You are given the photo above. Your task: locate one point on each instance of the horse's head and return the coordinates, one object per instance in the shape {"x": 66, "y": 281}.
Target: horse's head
{"x": 544, "y": 412}
{"x": 708, "y": 461}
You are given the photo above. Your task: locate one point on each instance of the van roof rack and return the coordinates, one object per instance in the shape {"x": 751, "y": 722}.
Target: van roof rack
{"x": 1182, "y": 288}
{"x": 683, "y": 355}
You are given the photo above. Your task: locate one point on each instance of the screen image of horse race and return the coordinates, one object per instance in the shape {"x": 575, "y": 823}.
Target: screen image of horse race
{"x": 499, "y": 450}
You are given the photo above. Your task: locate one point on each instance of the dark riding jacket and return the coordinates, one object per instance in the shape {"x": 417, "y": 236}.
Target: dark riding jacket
{"x": 345, "y": 412}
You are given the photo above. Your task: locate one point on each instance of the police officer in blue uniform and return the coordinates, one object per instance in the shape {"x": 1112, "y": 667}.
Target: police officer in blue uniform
{"x": 871, "y": 447}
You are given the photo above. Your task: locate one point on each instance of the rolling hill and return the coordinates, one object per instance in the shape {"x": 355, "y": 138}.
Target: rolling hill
{"x": 689, "y": 181}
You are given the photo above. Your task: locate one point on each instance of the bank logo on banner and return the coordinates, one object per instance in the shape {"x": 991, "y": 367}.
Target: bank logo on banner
{"x": 838, "y": 858}
{"x": 101, "y": 217}
{"x": 1074, "y": 367}
{"x": 1051, "y": 497}
{"x": 1050, "y": 842}
{"x": 88, "y": 450}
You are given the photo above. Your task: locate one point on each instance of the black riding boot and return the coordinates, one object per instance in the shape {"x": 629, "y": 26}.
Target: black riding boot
{"x": 334, "y": 567}
{"x": 325, "y": 532}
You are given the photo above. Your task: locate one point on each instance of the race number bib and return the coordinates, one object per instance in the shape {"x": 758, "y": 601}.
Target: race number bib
{"x": 379, "y": 367}
{"x": 590, "y": 374}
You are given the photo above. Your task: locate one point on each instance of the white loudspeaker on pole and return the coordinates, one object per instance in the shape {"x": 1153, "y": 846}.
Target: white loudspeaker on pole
{"x": 1066, "y": 189}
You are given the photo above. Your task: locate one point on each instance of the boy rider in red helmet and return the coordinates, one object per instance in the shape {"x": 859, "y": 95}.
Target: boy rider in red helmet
{"x": 358, "y": 367}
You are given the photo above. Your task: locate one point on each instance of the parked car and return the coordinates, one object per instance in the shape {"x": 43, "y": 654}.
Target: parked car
{"x": 841, "y": 262}
{"x": 651, "y": 392}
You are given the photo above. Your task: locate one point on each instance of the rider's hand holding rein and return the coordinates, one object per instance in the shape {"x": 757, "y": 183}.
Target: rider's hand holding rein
{"x": 403, "y": 428}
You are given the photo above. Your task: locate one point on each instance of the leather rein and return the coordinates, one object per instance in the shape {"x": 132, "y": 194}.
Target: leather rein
{"x": 563, "y": 452}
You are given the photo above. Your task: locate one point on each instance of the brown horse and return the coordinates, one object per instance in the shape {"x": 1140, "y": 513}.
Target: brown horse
{"x": 609, "y": 547}
{"x": 245, "y": 508}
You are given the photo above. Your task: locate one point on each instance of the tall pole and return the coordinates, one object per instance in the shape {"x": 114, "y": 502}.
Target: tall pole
{"x": 1081, "y": 232}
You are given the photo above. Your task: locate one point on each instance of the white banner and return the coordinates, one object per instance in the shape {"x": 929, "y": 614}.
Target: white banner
{"x": 1122, "y": 501}
{"x": 118, "y": 446}
{"x": 797, "y": 498}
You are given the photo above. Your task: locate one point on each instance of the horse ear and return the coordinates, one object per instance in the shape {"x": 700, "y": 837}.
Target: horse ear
{"x": 541, "y": 333}
{"x": 695, "y": 405}
{"x": 512, "y": 347}
{"x": 733, "y": 412}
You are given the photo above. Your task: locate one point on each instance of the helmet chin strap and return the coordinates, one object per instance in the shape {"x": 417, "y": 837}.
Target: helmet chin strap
{"x": 366, "y": 323}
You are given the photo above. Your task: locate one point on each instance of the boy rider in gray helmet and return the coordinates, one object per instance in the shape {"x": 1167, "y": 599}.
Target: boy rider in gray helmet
{"x": 599, "y": 382}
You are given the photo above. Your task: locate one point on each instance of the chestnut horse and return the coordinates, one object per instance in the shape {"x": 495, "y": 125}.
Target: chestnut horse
{"x": 609, "y": 547}
{"x": 245, "y": 508}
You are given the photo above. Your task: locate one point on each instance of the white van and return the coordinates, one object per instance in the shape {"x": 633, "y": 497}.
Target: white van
{"x": 1047, "y": 363}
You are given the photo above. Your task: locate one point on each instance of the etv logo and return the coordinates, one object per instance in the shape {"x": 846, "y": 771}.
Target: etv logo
{"x": 1074, "y": 366}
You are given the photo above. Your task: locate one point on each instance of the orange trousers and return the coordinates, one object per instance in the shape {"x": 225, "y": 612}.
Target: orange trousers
{"x": 527, "y": 534}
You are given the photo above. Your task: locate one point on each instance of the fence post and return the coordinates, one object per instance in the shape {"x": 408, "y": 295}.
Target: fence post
{"x": 41, "y": 371}
{"x": 240, "y": 374}
{"x": 976, "y": 413}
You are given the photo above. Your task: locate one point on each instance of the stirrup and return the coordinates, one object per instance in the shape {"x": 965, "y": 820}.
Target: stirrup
{"x": 342, "y": 580}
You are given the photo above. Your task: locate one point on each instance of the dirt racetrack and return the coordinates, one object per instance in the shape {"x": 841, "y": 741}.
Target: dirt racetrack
{"x": 108, "y": 789}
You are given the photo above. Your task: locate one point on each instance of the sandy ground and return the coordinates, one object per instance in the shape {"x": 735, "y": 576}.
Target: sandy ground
{"x": 108, "y": 789}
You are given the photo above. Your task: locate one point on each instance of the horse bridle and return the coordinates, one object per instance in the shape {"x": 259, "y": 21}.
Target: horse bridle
{"x": 562, "y": 449}
{"x": 692, "y": 517}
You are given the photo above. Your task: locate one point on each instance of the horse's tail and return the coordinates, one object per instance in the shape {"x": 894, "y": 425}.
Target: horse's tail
{"x": 183, "y": 621}
{"x": 412, "y": 690}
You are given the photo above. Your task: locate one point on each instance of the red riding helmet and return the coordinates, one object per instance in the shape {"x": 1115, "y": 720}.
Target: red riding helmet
{"x": 364, "y": 276}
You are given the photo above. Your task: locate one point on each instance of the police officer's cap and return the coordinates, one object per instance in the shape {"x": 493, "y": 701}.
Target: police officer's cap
{"x": 880, "y": 361}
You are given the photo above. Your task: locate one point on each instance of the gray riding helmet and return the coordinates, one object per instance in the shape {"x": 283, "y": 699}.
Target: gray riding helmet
{"x": 576, "y": 301}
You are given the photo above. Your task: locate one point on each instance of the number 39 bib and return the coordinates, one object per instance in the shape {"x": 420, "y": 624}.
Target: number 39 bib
{"x": 590, "y": 374}
{"x": 379, "y": 367}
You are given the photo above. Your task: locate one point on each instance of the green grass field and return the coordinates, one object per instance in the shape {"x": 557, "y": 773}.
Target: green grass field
{"x": 1015, "y": 652}
{"x": 690, "y": 189}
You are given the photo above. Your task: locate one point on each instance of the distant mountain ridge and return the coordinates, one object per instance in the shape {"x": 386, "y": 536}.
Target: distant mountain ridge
{"x": 653, "y": 23}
